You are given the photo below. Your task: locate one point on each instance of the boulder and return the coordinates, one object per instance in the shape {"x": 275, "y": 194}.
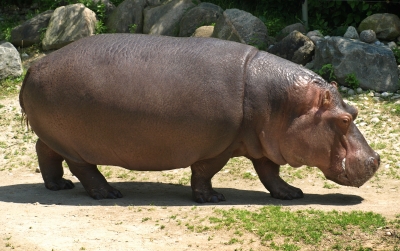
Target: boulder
{"x": 240, "y": 26}
{"x": 368, "y": 36}
{"x": 385, "y": 25}
{"x": 376, "y": 71}
{"x": 288, "y": 29}
{"x": 67, "y": 24}
{"x": 153, "y": 2}
{"x": 295, "y": 47}
{"x": 203, "y": 31}
{"x": 127, "y": 17}
{"x": 29, "y": 32}
{"x": 10, "y": 63}
{"x": 202, "y": 14}
{"x": 351, "y": 33}
{"x": 164, "y": 19}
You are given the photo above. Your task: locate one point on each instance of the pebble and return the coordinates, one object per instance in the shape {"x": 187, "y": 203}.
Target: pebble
{"x": 388, "y": 233}
{"x": 362, "y": 124}
{"x": 371, "y": 94}
{"x": 24, "y": 55}
{"x": 386, "y": 94}
{"x": 376, "y": 98}
{"x": 375, "y": 120}
{"x": 343, "y": 88}
{"x": 387, "y": 166}
{"x": 37, "y": 170}
{"x": 377, "y": 94}
{"x": 398, "y": 164}
{"x": 350, "y": 92}
{"x": 359, "y": 90}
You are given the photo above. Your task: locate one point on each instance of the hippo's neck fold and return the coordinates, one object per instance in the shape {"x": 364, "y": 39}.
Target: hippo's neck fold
{"x": 266, "y": 105}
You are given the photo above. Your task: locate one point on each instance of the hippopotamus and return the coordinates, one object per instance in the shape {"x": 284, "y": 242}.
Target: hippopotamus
{"x": 152, "y": 103}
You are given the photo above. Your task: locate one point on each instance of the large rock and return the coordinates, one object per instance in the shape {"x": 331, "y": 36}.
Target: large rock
{"x": 288, "y": 29}
{"x": 386, "y": 26}
{"x": 295, "y": 47}
{"x": 127, "y": 17}
{"x": 10, "y": 63}
{"x": 240, "y": 26}
{"x": 67, "y": 24}
{"x": 29, "y": 32}
{"x": 164, "y": 19}
{"x": 376, "y": 71}
{"x": 201, "y": 15}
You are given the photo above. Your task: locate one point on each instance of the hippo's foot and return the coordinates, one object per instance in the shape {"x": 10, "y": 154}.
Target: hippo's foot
{"x": 208, "y": 196}
{"x": 104, "y": 193}
{"x": 59, "y": 184}
{"x": 286, "y": 192}
{"x": 268, "y": 172}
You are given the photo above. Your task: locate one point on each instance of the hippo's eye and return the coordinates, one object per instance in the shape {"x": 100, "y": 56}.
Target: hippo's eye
{"x": 345, "y": 121}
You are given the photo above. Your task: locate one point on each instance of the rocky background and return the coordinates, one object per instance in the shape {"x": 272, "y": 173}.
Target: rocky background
{"x": 364, "y": 58}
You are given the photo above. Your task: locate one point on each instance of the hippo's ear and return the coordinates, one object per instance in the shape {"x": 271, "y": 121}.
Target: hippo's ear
{"x": 326, "y": 99}
{"x": 334, "y": 84}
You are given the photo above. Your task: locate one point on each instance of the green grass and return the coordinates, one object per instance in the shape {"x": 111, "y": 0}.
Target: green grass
{"x": 298, "y": 228}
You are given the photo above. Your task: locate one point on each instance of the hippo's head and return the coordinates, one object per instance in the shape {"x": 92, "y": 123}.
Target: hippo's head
{"x": 320, "y": 131}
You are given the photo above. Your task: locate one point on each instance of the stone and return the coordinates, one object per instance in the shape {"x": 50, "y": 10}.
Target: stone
{"x": 368, "y": 36}
{"x": 376, "y": 71}
{"x": 203, "y": 31}
{"x": 28, "y": 33}
{"x": 164, "y": 19}
{"x": 351, "y": 92}
{"x": 295, "y": 47}
{"x": 392, "y": 45}
{"x": 243, "y": 27}
{"x": 359, "y": 90}
{"x": 351, "y": 33}
{"x": 10, "y": 63}
{"x": 385, "y": 25}
{"x": 288, "y": 29}
{"x": 127, "y": 17}
{"x": 315, "y": 36}
{"x": 201, "y": 15}
{"x": 67, "y": 24}
{"x": 374, "y": 120}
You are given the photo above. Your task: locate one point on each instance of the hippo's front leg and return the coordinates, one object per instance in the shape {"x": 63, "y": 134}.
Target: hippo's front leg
{"x": 268, "y": 172}
{"x": 202, "y": 173}
{"x": 93, "y": 181}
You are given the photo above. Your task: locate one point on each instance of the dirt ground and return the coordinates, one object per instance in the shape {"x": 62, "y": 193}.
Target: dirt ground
{"x": 156, "y": 206}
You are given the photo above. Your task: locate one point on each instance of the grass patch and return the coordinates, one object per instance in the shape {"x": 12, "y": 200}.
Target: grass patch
{"x": 304, "y": 227}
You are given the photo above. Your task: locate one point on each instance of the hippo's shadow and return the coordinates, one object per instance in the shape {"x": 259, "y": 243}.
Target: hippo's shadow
{"x": 159, "y": 194}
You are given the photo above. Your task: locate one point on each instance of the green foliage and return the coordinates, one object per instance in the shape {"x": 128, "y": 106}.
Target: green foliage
{"x": 396, "y": 52}
{"x": 352, "y": 81}
{"x": 132, "y": 28}
{"x": 327, "y": 72}
{"x": 326, "y": 15}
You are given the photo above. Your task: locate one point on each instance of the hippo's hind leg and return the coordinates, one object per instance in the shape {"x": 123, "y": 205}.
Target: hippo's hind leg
{"x": 50, "y": 164}
{"x": 93, "y": 181}
{"x": 202, "y": 173}
{"x": 268, "y": 172}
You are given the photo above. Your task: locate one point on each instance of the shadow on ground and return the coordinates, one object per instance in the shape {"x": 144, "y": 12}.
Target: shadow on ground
{"x": 159, "y": 194}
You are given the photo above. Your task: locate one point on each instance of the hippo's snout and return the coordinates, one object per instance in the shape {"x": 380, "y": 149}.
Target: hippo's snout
{"x": 371, "y": 165}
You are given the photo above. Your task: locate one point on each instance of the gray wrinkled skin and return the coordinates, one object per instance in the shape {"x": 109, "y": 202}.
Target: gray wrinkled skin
{"x": 157, "y": 103}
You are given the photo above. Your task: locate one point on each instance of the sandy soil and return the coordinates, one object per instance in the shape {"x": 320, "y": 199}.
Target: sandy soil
{"x": 156, "y": 205}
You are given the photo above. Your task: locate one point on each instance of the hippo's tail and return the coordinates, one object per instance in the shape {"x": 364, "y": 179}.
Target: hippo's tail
{"x": 24, "y": 117}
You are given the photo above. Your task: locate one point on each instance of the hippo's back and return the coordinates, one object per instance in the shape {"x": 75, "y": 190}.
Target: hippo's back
{"x": 137, "y": 101}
